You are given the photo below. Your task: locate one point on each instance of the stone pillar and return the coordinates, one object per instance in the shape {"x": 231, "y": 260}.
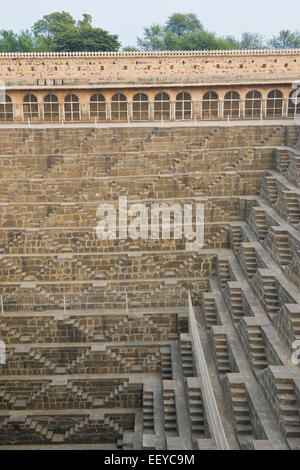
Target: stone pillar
{"x": 151, "y": 111}
{"x": 84, "y": 111}
{"x": 196, "y": 110}
{"x": 61, "y": 111}
{"x": 130, "y": 110}
{"x": 286, "y": 108}
{"x": 172, "y": 111}
{"x": 41, "y": 107}
{"x": 242, "y": 109}
{"x": 221, "y": 109}
{"x": 108, "y": 111}
{"x": 18, "y": 111}
{"x": 264, "y": 109}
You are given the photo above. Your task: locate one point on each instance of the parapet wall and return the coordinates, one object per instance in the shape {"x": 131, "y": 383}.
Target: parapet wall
{"x": 172, "y": 66}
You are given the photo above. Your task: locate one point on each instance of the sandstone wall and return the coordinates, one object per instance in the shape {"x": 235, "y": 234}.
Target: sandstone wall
{"x": 184, "y": 66}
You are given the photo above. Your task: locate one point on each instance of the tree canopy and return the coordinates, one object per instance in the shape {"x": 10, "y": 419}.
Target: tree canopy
{"x": 180, "y": 24}
{"x": 60, "y": 32}
{"x": 186, "y": 32}
{"x": 285, "y": 40}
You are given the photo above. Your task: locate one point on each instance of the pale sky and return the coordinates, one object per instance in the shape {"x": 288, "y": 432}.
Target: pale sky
{"x": 128, "y": 17}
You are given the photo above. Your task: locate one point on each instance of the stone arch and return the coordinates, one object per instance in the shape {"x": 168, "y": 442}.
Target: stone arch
{"x": 210, "y": 105}
{"x": 275, "y": 104}
{"x": 140, "y": 107}
{"x": 97, "y": 108}
{"x": 6, "y": 109}
{"x": 183, "y": 106}
{"x": 253, "y": 104}
{"x": 72, "y": 110}
{"x": 119, "y": 107}
{"x": 51, "y": 107}
{"x": 294, "y": 103}
{"x": 232, "y": 104}
{"x": 162, "y": 107}
{"x": 30, "y": 107}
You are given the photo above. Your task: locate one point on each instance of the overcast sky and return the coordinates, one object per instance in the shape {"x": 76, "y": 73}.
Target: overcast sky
{"x": 128, "y": 17}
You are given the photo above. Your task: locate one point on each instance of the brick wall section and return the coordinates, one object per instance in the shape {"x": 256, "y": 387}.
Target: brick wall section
{"x": 156, "y": 67}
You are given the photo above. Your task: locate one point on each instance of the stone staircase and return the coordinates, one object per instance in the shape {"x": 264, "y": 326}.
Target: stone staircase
{"x": 248, "y": 255}
{"x": 257, "y": 219}
{"x": 80, "y": 393}
{"x": 234, "y": 297}
{"x": 235, "y": 237}
{"x": 271, "y": 189}
{"x": 170, "y": 415}
{"x": 283, "y": 248}
{"x": 187, "y": 359}
{"x": 223, "y": 272}
{"x": 166, "y": 364}
{"x": 283, "y": 398}
{"x": 104, "y": 363}
{"x": 257, "y": 347}
{"x": 196, "y": 410}
{"x": 288, "y": 408}
{"x": 221, "y": 353}
{"x": 266, "y": 287}
{"x": 292, "y": 207}
{"x": 209, "y": 310}
{"x": 148, "y": 412}
{"x": 242, "y": 417}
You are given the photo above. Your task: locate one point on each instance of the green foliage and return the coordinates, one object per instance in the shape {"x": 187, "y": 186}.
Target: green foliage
{"x": 180, "y": 24}
{"x": 60, "y": 32}
{"x": 84, "y": 38}
{"x": 130, "y": 49}
{"x": 231, "y": 41}
{"x": 252, "y": 41}
{"x": 181, "y": 32}
{"x": 285, "y": 40}
{"x": 203, "y": 40}
{"x": 153, "y": 39}
{"x": 11, "y": 42}
{"x": 51, "y": 25}
{"x": 185, "y": 32}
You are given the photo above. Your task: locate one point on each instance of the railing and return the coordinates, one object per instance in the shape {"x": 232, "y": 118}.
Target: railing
{"x": 207, "y": 390}
{"x": 234, "y": 52}
{"x": 127, "y": 302}
{"x": 85, "y": 113}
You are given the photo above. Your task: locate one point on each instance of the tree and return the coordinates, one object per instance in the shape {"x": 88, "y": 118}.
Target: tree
{"x": 153, "y": 39}
{"x": 12, "y": 42}
{"x": 180, "y": 24}
{"x": 85, "y": 38}
{"x": 203, "y": 40}
{"x": 130, "y": 49}
{"x": 181, "y": 32}
{"x": 252, "y": 41}
{"x": 231, "y": 41}
{"x": 285, "y": 40}
{"x": 60, "y": 32}
{"x": 50, "y": 26}
{"x": 86, "y": 21}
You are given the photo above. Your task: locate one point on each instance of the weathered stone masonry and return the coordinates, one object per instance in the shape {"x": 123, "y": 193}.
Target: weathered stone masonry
{"x": 99, "y": 353}
{"x": 149, "y": 86}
